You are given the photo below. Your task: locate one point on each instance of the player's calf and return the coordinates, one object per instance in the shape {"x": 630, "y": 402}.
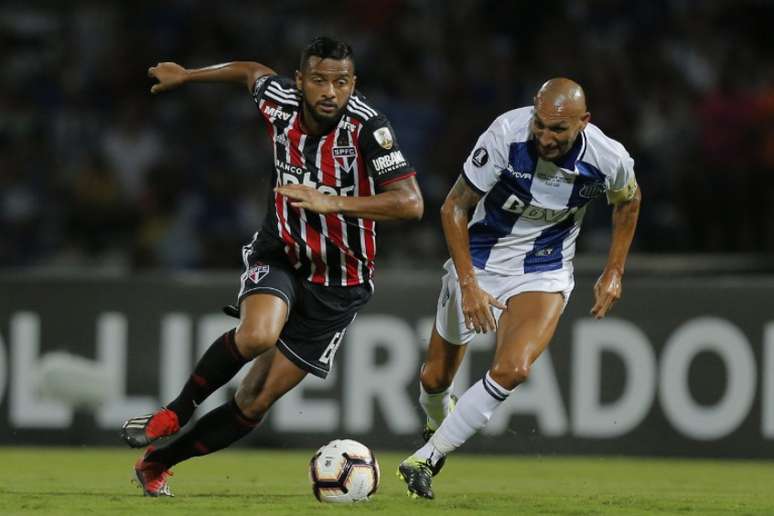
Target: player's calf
{"x": 140, "y": 431}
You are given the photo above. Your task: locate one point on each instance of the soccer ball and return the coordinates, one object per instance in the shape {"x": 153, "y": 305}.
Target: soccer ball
{"x": 344, "y": 471}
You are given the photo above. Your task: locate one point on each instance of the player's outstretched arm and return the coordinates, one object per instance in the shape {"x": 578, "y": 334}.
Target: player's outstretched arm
{"x": 172, "y": 75}
{"x": 400, "y": 200}
{"x": 455, "y": 215}
{"x": 609, "y": 287}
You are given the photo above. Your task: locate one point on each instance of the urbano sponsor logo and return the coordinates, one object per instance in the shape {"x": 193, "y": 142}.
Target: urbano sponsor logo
{"x": 389, "y": 162}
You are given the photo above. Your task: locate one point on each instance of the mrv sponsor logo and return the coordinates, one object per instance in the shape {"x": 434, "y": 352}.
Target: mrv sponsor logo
{"x": 274, "y": 113}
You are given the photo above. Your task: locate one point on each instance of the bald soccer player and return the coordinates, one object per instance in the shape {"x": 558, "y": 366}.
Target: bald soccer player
{"x": 529, "y": 177}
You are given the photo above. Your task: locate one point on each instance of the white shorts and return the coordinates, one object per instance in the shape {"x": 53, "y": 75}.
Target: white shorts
{"x": 449, "y": 320}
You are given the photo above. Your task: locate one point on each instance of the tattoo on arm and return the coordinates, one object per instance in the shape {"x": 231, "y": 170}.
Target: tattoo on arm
{"x": 463, "y": 196}
{"x": 455, "y": 214}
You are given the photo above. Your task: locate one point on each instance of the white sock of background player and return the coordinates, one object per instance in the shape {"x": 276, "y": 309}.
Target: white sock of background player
{"x": 436, "y": 405}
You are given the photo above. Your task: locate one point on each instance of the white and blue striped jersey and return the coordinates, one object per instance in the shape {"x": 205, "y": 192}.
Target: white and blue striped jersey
{"x": 531, "y": 210}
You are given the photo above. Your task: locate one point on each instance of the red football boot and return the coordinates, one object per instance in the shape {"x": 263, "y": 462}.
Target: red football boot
{"x": 152, "y": 476}
{"x": 140, "y": 431}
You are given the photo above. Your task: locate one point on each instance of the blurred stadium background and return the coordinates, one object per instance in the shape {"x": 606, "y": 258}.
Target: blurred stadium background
{"x": 122, "y": 215}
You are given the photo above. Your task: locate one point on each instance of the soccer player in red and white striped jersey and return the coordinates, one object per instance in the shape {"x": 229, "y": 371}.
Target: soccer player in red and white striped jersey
{"x": 337, "y": 169}
{"x": 354, "y": 158}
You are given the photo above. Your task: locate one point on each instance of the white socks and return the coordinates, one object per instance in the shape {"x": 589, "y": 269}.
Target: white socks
{"x": 474, "y": 410}
{"x": 435, "y": 405}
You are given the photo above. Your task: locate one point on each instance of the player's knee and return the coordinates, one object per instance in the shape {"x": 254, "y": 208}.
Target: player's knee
{"x": 435, "y": 379}
{"x": 252, "y": 340}
{"x": 510, "y": 375}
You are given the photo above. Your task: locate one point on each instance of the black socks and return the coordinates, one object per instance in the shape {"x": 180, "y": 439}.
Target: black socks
{"x": 215, "y": 431}
{"x": 217, "y": 366}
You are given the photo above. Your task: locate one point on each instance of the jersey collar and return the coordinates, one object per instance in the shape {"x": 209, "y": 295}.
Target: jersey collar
{"x": 575, "y": 154}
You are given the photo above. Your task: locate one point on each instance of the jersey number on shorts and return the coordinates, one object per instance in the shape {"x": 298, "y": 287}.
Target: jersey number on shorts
{"x": 330, "y": 351}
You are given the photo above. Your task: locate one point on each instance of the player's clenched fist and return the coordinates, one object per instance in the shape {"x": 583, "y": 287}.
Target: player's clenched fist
{"x": 169, "y": 75}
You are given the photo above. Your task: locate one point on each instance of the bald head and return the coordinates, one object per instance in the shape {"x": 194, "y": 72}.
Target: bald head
{"x": 561, "y": 97}
{"x": 560, "y": 114}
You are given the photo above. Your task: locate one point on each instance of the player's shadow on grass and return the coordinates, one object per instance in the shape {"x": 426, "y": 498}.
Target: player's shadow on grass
{"x": 41, "y": 494}
{"x": 252, "y": 496}
{"x": 102, "y": 494}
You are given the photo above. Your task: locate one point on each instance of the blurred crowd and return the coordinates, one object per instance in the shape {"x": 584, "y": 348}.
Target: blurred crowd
{"x": 95, "y": 172}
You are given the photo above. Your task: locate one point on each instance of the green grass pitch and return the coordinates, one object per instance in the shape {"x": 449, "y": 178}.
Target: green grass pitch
{"x": 86, "y": 481}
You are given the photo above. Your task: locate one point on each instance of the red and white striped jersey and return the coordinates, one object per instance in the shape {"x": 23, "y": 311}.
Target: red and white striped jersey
{"x": 357, "y": 157}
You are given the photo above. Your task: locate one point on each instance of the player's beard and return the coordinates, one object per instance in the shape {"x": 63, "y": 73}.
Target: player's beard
{"x": 547, "y": 155}
{"x": 326, "y": 121}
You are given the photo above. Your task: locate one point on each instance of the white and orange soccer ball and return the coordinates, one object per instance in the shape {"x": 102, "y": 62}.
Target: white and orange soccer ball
{"x": 344, "y": 471}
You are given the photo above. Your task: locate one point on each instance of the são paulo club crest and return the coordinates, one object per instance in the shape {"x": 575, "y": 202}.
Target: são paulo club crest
{"x": 345, "y": 157}
{"x": 256, "y": 273}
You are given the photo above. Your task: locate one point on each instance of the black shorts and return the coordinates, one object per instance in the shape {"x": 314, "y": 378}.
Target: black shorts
{"x": 318, "y": 315}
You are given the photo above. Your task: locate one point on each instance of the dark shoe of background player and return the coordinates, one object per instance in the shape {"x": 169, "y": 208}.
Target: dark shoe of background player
{"x": 418, "y": 476}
